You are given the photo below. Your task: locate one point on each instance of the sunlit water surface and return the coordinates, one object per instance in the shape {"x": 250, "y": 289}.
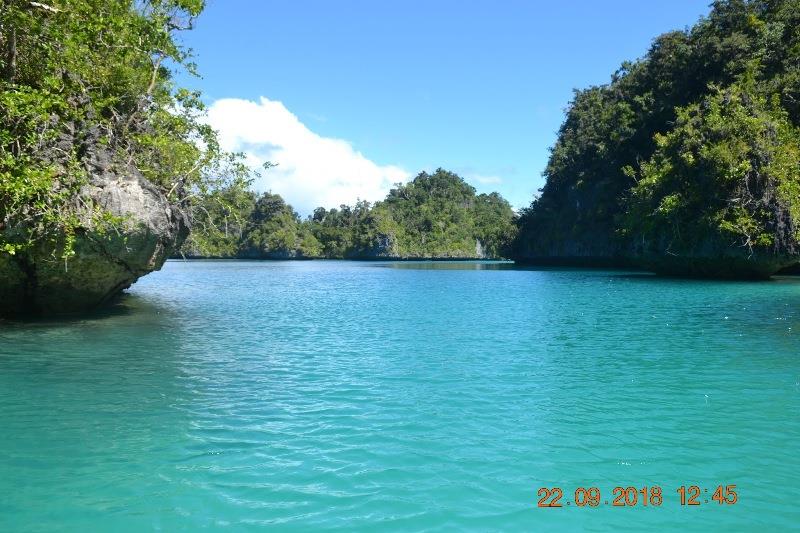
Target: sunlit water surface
{"x": 403, "y": 396}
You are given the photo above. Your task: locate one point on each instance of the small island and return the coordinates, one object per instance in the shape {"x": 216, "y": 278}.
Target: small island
{"x": 435, "y": 216}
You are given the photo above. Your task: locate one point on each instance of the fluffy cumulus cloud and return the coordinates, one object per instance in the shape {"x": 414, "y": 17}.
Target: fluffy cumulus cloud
{"x": 312, "y": 170}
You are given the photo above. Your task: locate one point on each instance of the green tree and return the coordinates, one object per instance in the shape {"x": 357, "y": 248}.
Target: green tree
{"x": 88, "y": 79}
{"x": 435, "y": 215}
{"x": 219, "y": 221}
{"x": 687, "y": 152}
{"x": 275, "y": 231}
{"x": 725, "y": 173}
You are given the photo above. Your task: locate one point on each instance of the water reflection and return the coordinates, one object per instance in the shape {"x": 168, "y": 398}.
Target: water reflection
{"x": 448, "y": 265}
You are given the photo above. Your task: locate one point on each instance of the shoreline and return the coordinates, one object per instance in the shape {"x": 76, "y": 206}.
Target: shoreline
{"x": 356, "y": 259}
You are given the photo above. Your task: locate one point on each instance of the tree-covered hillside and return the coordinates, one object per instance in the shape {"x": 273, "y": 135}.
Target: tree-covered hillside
{"x": 79, "y": 77}
{"x": 101, "y": 153}
{"x": 688, "y": 161}
{"x": 434, "y": 216}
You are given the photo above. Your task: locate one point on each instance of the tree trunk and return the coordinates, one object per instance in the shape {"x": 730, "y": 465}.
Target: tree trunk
{"x": 12, "y": 55}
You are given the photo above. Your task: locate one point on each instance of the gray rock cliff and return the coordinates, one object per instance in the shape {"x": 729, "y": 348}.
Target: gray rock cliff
{"x": 39, "y": 282}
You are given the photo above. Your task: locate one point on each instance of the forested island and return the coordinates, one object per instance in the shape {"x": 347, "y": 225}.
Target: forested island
{"x": 435, "y": 216}
{"x": 688, "y": 161}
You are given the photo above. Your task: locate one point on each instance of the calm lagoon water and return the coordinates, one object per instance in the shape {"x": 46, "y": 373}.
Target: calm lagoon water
{"x": 402, "y": 396}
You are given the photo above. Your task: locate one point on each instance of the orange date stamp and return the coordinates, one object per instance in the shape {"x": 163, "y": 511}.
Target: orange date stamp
{"x": 687, "y": 495}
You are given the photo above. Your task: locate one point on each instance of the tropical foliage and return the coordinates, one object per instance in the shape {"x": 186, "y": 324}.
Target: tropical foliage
{"x": 694, "y": 146}
{"x": 90, "y": 82}
{"x": 435, "y": 215}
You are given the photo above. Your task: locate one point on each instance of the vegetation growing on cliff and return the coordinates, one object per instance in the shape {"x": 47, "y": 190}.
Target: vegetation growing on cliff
{"x": 691, "y": 151}
{"x": 435, "y": 215}
{"x": 89, "y": 83}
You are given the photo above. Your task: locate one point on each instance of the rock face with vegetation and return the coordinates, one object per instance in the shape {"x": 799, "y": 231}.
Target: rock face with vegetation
{"x": 688, "y": 162}
{"x": 435, "y": 216}
{"x": 100, "y": 153}
{"x": 104, "y": 258}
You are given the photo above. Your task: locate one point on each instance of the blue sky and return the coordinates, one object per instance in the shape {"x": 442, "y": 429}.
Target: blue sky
{"x": 350, "y": 95}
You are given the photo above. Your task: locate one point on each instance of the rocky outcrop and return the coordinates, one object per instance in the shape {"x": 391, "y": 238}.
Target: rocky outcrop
{"x": 561, "y": 235}
{"x": 273, "y": 255}
{"x": 719, "y": 256}
{"x": 543, "y": 242}
{"x": 384, "y": 247}
{"x": 715, "y": 260}
{"x": 106, "y": 261}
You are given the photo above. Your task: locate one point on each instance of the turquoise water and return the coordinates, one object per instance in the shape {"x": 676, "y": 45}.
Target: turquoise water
{"x": 402, "y": 396}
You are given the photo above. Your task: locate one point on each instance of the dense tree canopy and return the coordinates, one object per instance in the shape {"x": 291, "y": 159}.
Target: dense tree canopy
{"x": 435, "y": 215}
{"x": 80, "y": 78}
{"x": 440, "y": 214}
{"x": 694, "y": 147}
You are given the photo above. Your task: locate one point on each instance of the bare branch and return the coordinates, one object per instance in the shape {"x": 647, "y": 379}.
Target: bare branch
{"x": 40, "y": 5}
{"x": 154, "y": 75}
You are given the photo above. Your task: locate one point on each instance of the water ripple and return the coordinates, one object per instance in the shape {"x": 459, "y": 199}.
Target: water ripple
{"x": 341, "y": 396}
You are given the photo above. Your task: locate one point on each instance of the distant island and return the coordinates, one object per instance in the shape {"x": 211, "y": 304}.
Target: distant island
{"x": 686, "y": 163}
{"x": 435, "y": 216}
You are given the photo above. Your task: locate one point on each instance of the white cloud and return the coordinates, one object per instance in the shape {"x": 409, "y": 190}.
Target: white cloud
{"x": 312, "y": 170}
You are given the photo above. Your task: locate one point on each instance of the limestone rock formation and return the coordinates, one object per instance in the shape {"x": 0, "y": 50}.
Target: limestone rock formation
{"x": 39, "y": 282}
